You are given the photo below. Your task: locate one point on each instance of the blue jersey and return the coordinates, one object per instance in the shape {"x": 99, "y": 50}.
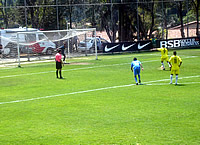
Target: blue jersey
{"x": 135, "y": 64}
{"x": 136, "y": 67}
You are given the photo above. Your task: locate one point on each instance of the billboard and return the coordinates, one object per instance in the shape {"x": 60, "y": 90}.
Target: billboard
{"x": 180, "y": 43}
{"x": 147, "y": 45}
{"x": 127, "y": 46}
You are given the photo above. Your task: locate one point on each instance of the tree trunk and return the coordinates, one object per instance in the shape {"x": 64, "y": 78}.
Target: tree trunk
{"x": 181, "y": 19}
{"x": 142, "y": 29}
{"x": 31, "y": 10}
{"x": 43, "y": 16}
{"x": 121, "y": 23}
{"x": 197, "y": 13}
{"x": 197, "y": 30}
{"x": 152, "y": 20}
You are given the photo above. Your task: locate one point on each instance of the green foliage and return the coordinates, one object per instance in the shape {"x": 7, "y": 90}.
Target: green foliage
{"x": 97, "y": 13}
{"x": 191, "y": 17}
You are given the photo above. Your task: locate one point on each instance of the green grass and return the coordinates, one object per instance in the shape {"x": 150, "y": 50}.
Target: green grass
{"x": 95, "y": 103}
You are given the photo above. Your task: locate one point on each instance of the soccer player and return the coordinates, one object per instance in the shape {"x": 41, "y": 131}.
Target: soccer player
{"x": 62, "y": 48}
{"x": 175, "y": 62}
{"x": 59, "y": 62}
{"x": 164, "y": 56}
{"x": 135, "y": 67}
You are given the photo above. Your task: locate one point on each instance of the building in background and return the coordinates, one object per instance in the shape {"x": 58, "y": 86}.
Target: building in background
{"x": 175, "y": 32}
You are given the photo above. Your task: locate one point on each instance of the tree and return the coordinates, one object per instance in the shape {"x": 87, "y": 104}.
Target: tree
{"x": 104, "y": 17}
{"x": 107, "y": 23}
{"x": 146, "y": 19}
{"x": 4, "y": 12}
{"x": 152, "y": 19}
{"x": 110, "y": 15}
{"x": 196, "y": 6}
{"x": 180, "y": 13}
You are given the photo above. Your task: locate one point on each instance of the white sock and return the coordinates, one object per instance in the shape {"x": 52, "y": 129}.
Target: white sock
{"x": 176, "y": 79}
{"x": 171, "y": 76}
{"x": 163, "y": 64}
{"x": 169, "y": 64}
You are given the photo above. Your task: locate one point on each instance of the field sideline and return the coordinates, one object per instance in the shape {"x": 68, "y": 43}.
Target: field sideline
{"x": 98, "y": 102}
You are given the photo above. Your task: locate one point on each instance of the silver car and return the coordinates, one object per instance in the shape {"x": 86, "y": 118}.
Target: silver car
{"x": 89, "y": 44}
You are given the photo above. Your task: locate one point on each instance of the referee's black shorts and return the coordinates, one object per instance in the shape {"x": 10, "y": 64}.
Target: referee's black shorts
{"x": 58, "y": 65}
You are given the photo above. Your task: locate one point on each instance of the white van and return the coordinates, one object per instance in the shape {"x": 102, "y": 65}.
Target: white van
{"x": 40, "y": 42}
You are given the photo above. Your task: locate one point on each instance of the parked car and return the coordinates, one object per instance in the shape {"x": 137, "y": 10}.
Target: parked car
{"x": 89, "y": 44}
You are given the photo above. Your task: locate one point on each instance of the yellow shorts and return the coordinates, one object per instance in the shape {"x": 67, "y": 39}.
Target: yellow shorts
{"x": 164, "y": 58}
{"x": 175, "y": 71}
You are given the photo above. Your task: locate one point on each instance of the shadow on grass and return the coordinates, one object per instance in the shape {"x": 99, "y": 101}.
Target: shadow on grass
{"x": 61, "y": 78}
{"x": 166, "y": 84}
{"x": 180, "y": 85}
{"x": 143, "y": 84}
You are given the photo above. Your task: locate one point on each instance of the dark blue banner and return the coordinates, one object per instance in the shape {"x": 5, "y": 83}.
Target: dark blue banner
{"x": 179, "y": 42}
{"x": 127, "y": 46}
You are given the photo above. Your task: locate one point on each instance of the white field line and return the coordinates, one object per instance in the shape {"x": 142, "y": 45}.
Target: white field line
{"x": 28, "y": 74}
{"x": 161, "y": 84}
{"x": 13, "y": 65}
{"x": 169, "y": 79}
{"x": 190, "y": 56}
{"x": 86, "y": 91}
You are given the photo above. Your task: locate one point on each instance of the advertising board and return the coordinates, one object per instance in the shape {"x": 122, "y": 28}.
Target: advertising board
{"x": 127, "y": 46}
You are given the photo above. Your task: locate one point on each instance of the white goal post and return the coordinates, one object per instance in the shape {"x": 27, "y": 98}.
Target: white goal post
{"x": 35, "y": 44}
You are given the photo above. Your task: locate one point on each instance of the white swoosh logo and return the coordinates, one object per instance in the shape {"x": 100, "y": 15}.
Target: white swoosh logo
{"x": 127, "y": 47}
{"x": 108, "y": 49}
{"x": 140, "y": 47}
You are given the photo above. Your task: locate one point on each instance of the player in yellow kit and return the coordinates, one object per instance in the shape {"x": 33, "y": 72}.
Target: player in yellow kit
{"x": 164, "y": 56}
{"x": 175, "y": 62}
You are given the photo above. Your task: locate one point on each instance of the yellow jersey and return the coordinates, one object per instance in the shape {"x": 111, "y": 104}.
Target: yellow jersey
{"x": 175, "y": 61}
{"x": 164, "y": 52}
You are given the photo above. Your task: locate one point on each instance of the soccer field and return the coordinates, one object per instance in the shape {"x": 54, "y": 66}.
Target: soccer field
{"x": 98, "y": 102}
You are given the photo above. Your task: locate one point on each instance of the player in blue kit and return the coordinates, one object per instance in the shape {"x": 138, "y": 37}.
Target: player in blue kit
{"x": 135, "y": 66}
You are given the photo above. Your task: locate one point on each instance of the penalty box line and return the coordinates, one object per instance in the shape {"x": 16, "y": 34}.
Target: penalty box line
{"x": 87, "y": 91}
{"x": 28, "y": 74}
{"x": 75, "y": 69}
